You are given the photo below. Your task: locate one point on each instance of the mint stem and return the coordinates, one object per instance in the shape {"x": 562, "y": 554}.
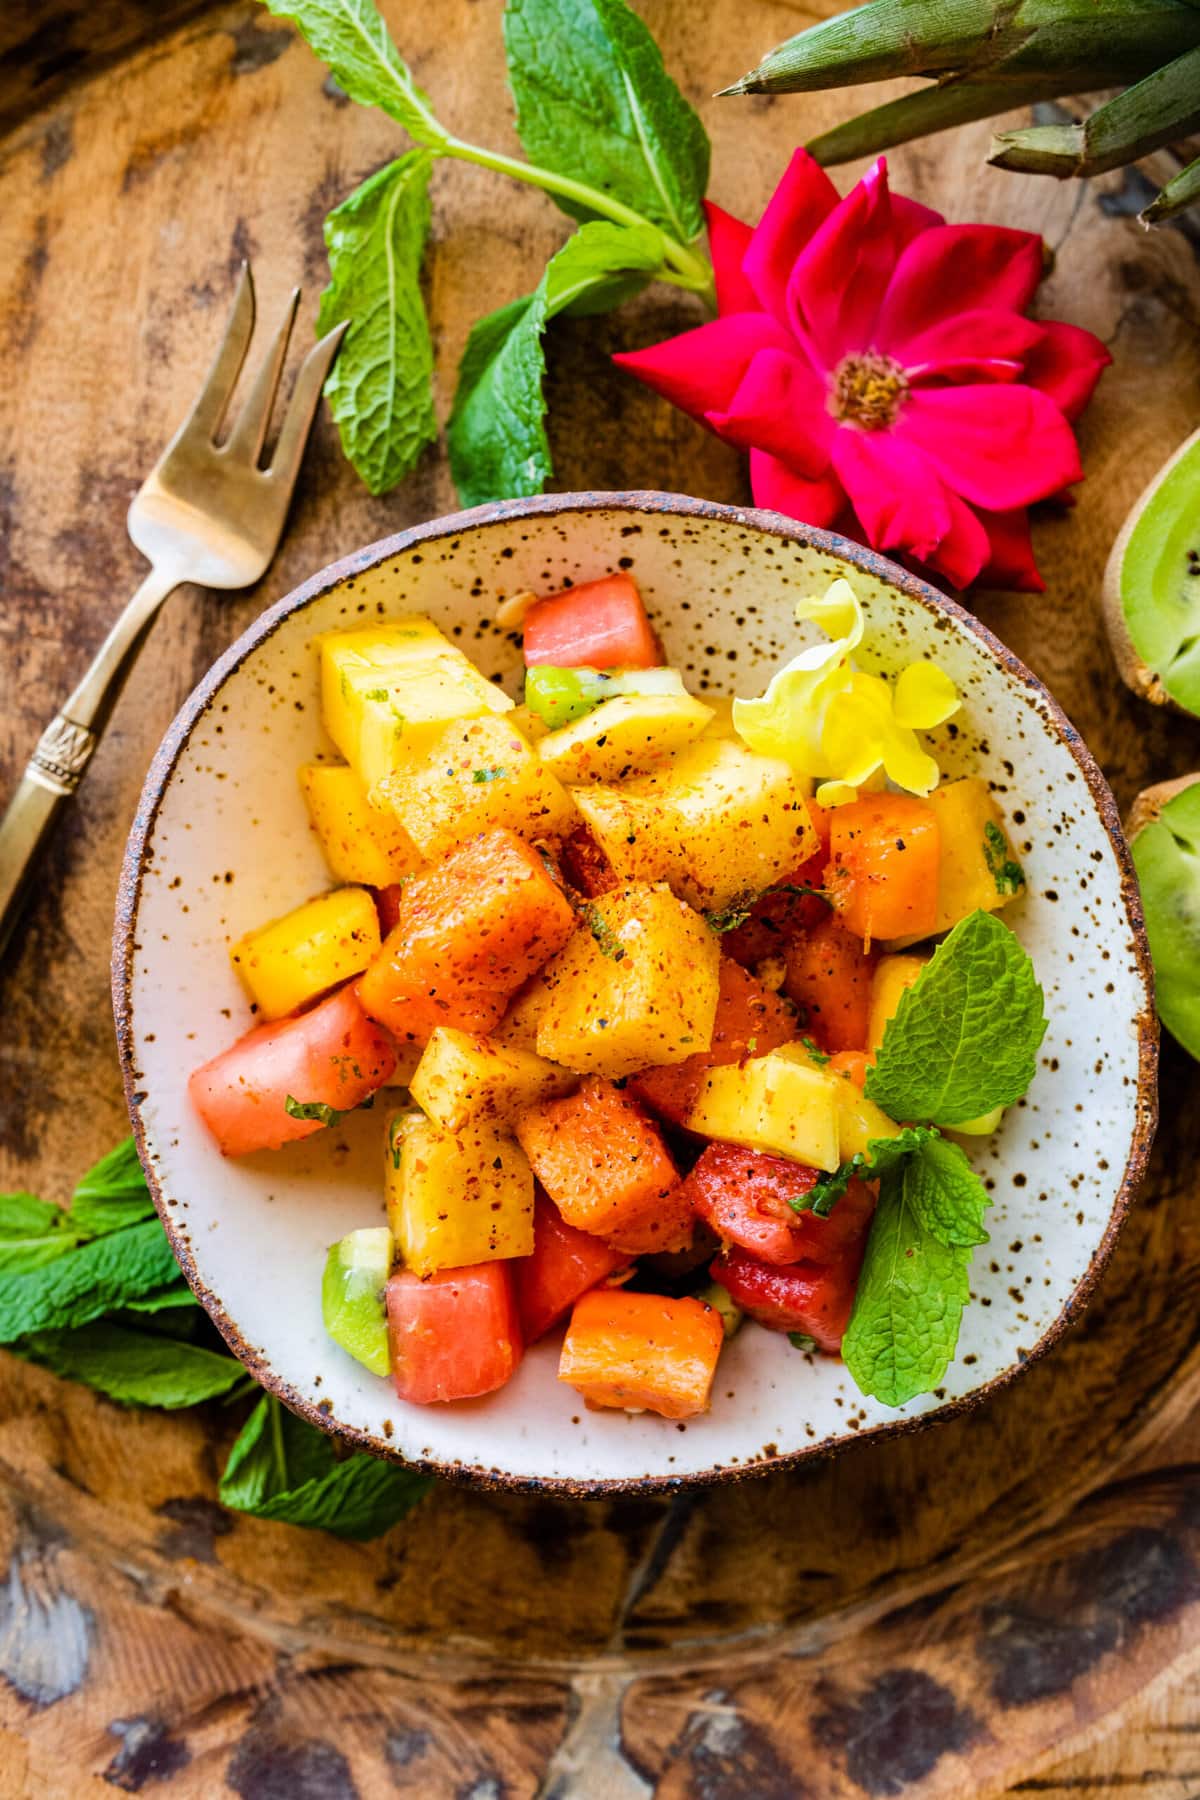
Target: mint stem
{"x": 686, "y": 267}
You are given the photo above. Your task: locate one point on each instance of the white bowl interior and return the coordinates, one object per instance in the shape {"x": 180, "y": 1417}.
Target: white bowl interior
{"x": 230, "y": 847}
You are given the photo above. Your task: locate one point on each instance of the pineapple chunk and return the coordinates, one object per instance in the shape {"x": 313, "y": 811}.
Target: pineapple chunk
{"x": 518, "y": 1028}
{"x": 631, "y": 732}
{"x": 360, "y": 842}
{"x": 780, "y": 1103}
{"x": 293, "y": 959}
{"x": 475, "y": 775}
{"x": 721, "y": 723}
{"x": 892, "y": 976}
{"x": 456, "y": 1198}
{"x": 635, "y": 986}
{"x": 386, "y": 690}
{"x": 720, "y": 823}
{"x": 462, "y": 1077}
{"x": 978, "y": 869}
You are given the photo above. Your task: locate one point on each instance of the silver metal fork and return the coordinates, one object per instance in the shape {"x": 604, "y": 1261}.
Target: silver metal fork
{"x": 206, "y": 513}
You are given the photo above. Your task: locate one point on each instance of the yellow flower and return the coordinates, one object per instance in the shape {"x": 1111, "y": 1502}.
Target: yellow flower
{"x": 831, "y": 721}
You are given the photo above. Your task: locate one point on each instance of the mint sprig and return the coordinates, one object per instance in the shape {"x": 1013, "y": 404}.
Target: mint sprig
{"x": 880, "y": 1156}
{"x": 965, "y": 1036}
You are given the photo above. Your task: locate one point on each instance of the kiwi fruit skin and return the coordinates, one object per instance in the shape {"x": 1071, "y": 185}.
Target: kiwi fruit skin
{"x": 1134, "y": 672}
{"x": 1148, "y": 805}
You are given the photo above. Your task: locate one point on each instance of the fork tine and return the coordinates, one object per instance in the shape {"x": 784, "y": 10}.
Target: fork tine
{"x": 250, "y": 431}
{"x": 285, "y": 464}
{"x": 209, "y": 409}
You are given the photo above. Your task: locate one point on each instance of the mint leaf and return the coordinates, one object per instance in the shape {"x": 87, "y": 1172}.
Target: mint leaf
{"x": 904, "y": 1326}
{"x": 136, "y": 1367}
{"x": 175, "y": 1296}
{"x": 946, "y": 1194}
{"x": 112, "y": 1195}
{"x": 595, "y": 103}
{"x": 32, "y": 1233}
{"x": 965, "y": 1036}
{"x": 882, "y": 1155}
{"x": 1166, "y": 855}
{"x": 96, "y": 1277}
{"x": 380, "y": 389}
{"x": 496, "y": 438}
{"x": 352, "y": 40}
{"x": 281, "y": 1468}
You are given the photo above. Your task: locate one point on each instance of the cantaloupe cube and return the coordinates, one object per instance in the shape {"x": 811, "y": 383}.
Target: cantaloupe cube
{"x": 360, "y": 842}
{"x": 293, "y": 959}
{"x": 462, "y": 1077}
{"x": 636, "y": 985}
{"x": 978, "y": 868}
{"x": 386, "y": 689}
{"x": 781, "y": 1103}
{"x": 720, "y": 824}
{"x": 630, "y": 734}
{"x": 470, "y": 776}
{"x": 456, "y": 1198}
{"x": 603, "y": 1162}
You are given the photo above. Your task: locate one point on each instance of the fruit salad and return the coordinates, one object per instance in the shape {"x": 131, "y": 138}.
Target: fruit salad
{"x": 639, "y": 980}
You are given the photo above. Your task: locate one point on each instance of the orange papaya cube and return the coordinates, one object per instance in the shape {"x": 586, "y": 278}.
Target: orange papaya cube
{"x": 603, "y": 1162}
{"x": 829, "y": 978}
{"x": 642, "y": 1352}
{"x": 469, "y": 931}
{"x": 750, "y": 1020}
{"x": 885, "y": 853}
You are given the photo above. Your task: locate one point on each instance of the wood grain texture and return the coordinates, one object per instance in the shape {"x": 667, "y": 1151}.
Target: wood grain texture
{"x": 1010, "y": 1600}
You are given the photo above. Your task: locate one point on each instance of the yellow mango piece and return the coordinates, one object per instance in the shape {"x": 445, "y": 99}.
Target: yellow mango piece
{"x": 293, "y": 959}
{"x": 720, "y": 823}
{"x": 518, "y": 1028}
{"x": 624, "y": 736}
{"x": 462, "y": 1077}
{"x": 892, "y": 976}
{"x": 455, "y": 1198}
{"x": 386, "y": 690}
{"x": 780, "y": 1103}
{"x": 634, "y": 987}
{"x": 474, "y": 775}
{"x": 361, "y": 843}
{"x": 978, "y": 868}
{"x": 859, "y": 1120}
{"x": 721, "y": 723}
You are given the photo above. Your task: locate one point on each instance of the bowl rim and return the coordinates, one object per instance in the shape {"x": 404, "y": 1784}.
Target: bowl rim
{"x": 651, "y": 502}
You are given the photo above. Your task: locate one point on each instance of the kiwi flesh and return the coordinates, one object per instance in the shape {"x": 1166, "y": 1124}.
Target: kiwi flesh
{"x": 1151, "y": 596}
{"x": 1164, "y": 831}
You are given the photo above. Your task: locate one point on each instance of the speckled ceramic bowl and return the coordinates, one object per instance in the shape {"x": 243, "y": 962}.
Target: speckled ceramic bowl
{"x": 221, "y": 843}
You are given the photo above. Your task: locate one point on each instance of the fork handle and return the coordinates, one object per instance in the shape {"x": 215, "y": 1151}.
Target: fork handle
{"x": 65, "y": 748}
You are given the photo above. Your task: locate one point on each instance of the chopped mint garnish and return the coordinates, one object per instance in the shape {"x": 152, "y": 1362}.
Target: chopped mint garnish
{"x": 1007, "y": 874}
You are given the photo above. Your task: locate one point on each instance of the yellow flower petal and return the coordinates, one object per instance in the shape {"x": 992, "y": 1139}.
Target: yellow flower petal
{"x": 837, "y": 611}
{"x": 787, "y": 721}
{"x": 835, "y": 793}
{"x": 925, "y": 696}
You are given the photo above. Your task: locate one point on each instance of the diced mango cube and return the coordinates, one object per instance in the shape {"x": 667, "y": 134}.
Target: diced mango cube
{"x": 891, "y": 977}
{"x": 629, "y": 734}
{"x": 780, "y": 1103}
{"x": 462, "y": 1076}
{"x": 387, "y": 689}
{"x": 456, "y": 1198}
{"x": 361, "y": 843}
{"x": 720, "y": 823}
{"x": 293, "y": 959}
{"x": 859, "y": 1119}
{"x": 636, "y": 985}
{"x": 518, "y": 1028}
{"x": 474, "y": 775}
{"x": 978, "y": 868}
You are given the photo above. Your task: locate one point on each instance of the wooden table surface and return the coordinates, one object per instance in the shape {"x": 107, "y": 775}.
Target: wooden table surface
{"x": 1007, "y": 1603}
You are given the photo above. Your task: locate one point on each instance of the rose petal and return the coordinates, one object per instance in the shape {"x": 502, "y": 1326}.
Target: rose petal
{"x": 964, "y": 549}
{"x": 997, "y": 446}
{"x": 1010, "y": 561}
{"x": 803, "y": 198}
{"x": 700, "y": 370}
{"x": 1066, "y": 364}
{"x": 781, "y": 490}
{"x": 894, "y": 489}
{"x": 911, "y": 218}
{"x": 978, "y": 345}
{"x": 780, "y": 406}
{"x": 728, "y": 241}
{"x": 953, "y": 269}
{"x": 836, "y": 283}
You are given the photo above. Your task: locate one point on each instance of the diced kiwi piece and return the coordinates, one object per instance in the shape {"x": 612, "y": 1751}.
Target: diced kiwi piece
{"x": 1166, "y": 854}
{"x": 1152, "y": 587}
{"x": 352, "y": 1295}
{"x": 722, "y": 1302}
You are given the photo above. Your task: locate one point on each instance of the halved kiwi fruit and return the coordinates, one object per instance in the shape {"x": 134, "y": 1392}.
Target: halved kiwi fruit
{"x": 1152, "y": 587}
{"x": 1164, "y": 833}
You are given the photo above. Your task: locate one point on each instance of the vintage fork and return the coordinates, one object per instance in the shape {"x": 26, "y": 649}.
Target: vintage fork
{"x": 206, "y": 513}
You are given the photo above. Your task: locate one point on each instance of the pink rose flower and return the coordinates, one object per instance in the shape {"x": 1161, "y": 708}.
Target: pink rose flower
{"x": 877, "y": 365}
